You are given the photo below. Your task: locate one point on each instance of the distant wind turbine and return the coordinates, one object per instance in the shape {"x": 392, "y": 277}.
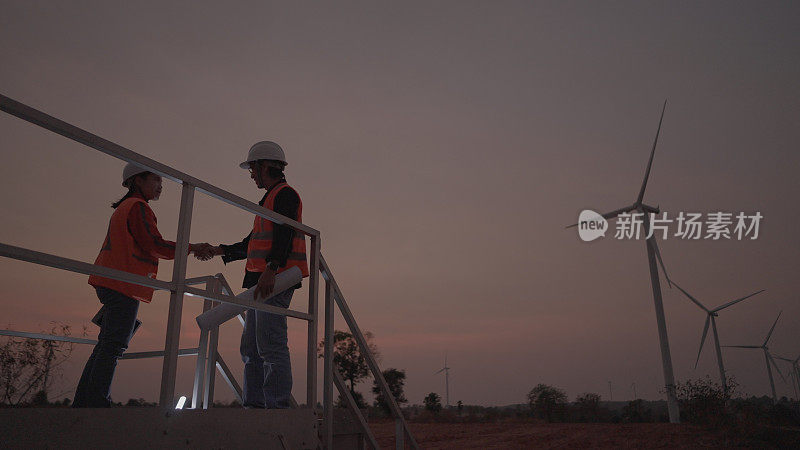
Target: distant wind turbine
{"x": 653, "y": 254}
{"x": 711, "y": 315}
{"x": 795, "y": 373}
{"x": 446, "y": 371}
{"x": 767, "y": 357}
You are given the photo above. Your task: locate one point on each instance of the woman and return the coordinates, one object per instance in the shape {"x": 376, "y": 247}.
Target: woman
{"x": 132, "y": 244}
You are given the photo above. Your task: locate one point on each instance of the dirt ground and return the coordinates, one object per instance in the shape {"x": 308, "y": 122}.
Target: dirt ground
{"x": 515, "y": 435}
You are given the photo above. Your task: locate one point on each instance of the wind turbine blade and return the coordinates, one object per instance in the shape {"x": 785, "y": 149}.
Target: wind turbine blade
{"x": 437, "y": 373}
{"x": 652, "y": 153}
{"x": 696, "y": 302}
{"x": 660, "y": 261}
{"x": 742, "y": 346}
{"x": 773, "y": 328}
{"x": 737, "y": 301}
{"x": 774, "y": 364}
{"x": 653, "y": 242}
{"x": 784, "y": 359}
{"x": 702, "y": 340}
{"x": 609, "y": 215}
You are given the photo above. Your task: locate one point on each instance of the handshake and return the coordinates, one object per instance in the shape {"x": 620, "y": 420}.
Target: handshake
{"x": 205, "y": 251}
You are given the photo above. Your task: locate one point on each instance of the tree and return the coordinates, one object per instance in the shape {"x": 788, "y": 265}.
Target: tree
{"x": 357, "y": 397}
{"x": 588, "y": 407}
{"x": 28, "y": 367}
{"x": 349, "y": 360}
{"x": 433, "y": 402}
{"x": 547, "y": 402}
{"x": 396, "y": 380}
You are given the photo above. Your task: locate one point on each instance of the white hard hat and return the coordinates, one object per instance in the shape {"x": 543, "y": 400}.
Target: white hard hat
{"x": 131, "y": 170}
{"x": 264, "y": 150}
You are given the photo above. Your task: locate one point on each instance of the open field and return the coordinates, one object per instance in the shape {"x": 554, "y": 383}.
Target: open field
{"x": 593, "y": 435}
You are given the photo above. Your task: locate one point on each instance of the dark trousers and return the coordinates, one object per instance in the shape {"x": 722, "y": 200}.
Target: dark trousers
{"x": 116, "y": 329}
{"x": 265, "y": 353}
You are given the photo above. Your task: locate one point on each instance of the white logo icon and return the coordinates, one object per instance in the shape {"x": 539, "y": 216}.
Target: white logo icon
{"x": 591, "y": 225}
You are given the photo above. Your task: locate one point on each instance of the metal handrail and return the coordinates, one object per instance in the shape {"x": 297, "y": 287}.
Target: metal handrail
{"x": 72, "y": 340}
{"x": 69, "y": 131}
{"x": 177, "y": 286}
{"x": 180, "y": 285}
{"x": 333, "y": 293}
{"x": 47, "y": 337}
{"x": 199, "y": 351}
{"x": 72, "y": 265}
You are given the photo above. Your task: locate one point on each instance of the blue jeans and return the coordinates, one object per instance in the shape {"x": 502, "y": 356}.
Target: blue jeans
{"x": 265, "y": 352}
{"x": 116, "y": 330}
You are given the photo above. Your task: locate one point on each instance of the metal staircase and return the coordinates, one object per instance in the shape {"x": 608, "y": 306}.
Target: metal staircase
{"x": 216, "y": 291}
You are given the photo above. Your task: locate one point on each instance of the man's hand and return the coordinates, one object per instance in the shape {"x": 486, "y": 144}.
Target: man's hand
{"x": 266, "y": 283}
{"x": 207, "y": 251}
{"x": 198, "y": 248}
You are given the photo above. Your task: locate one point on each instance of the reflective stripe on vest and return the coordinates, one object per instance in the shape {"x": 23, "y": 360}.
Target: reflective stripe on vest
{"x": 120, "y": 251}
{"x": 261, "y": 239}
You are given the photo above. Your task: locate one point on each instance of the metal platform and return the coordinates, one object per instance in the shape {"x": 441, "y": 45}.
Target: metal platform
{"x": 27, "y": 428}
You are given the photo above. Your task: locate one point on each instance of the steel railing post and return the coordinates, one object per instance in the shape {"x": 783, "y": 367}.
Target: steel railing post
{"x": 311, "y": 381}
{"x": 399, "y": 432}
{"x": 170, "y": 368}
{"x": 344, "y": 393}
{"x": 327, "y": 380}
{"x": 364, "y": 347}
{"x": 202, "y": 351}
{"x": 212, "y": 356}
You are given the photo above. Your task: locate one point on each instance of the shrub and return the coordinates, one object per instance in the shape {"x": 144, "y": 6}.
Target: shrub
{"x": 587, "y": 407}
{"x": 636, "y": 412}
{"x": 704, "y": 401}
{"x": 548, "y": 403}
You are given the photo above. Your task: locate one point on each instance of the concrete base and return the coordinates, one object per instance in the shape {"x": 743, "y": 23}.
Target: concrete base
{"x": 153, "y": 428}
{"x": 347, "y": 433}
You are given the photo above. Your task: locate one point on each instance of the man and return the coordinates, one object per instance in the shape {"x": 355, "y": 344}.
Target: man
{"x": 269, "y": 250}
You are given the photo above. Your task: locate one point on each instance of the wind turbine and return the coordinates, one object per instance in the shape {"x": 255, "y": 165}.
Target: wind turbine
{"x": 653, "y": 254}
{"x": 795, "y": 373}
{"x": 711, "y": 315}
{"x": 767, "y": 357}
{"x": 446, "y": 371}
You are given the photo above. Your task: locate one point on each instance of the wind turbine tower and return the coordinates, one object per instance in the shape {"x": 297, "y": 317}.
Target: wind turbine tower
{"x": 795, "y": 373}
{"x": 767, "y": 357}
{"x": 446, "y": 371}
{"x": 653, "y": 253}
{"x": 711, "y": 315}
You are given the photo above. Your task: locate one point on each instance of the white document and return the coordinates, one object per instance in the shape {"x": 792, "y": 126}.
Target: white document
{"x": 225, "y": 311}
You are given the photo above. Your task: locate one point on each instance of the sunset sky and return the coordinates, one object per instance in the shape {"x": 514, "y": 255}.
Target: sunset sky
{"x": 440, "y": 148}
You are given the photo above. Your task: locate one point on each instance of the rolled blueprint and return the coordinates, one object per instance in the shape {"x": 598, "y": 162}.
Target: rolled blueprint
{"x": 226, "y": 311}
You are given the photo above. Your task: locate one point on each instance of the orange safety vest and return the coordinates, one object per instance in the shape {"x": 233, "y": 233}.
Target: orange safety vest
{"x": 261, "y": 239}
{"x": 120, "y": 251}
